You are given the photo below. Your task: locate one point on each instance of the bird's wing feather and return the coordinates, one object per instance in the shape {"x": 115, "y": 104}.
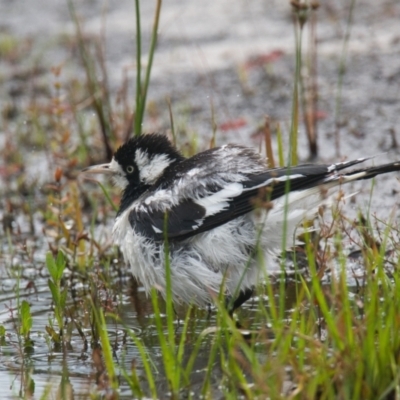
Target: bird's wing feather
{"x": 221, "y": 204}
{"x": 178, "y": 221}
{"x": 217, "y": 204}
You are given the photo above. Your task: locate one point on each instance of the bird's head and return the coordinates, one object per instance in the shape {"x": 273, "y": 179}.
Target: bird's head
{"x": 139, "y": 163}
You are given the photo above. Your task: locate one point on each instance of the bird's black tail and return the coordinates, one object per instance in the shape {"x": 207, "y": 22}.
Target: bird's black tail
{"x": 370, "y": 172}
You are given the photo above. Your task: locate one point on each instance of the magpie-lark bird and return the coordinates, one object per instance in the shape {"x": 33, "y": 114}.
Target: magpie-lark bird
{"x": 205, "y": 207}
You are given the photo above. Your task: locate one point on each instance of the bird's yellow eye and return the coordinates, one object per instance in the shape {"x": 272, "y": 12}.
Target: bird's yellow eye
{"x": 129, "y": 169}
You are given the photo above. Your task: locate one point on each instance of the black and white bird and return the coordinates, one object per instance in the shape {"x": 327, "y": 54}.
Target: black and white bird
{"x": 205, "y": 207}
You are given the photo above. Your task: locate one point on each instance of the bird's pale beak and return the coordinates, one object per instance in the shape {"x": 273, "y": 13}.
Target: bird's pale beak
{"x": 104, "y": 169}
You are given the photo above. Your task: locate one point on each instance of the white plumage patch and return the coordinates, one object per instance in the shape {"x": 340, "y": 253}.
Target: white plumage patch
{"x": 218, "y": 201}
{"x": 156, "y": 230}
{"x": 118, "y": 176}
{"x": 151, "y": 168}
{"x": 160, "y": 197}
{"x": 141, "y": 158}
{"x": 334, "y": 167}
{"x": 279, "y": 179}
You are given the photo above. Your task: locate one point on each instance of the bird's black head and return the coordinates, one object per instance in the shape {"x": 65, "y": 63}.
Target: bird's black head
{"x": 138, "y": 164}
{"x": 143, "y": 160}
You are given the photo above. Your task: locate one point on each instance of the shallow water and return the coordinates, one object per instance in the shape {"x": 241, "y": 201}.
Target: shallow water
{"x": 23, "y": 276}
{"x": 50, "y": 366}
{"x": 73, "y": 367}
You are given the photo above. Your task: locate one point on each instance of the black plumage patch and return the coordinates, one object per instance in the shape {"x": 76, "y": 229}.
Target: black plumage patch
{"x": 152, "y": 144}
{"x": 178, "y": 221}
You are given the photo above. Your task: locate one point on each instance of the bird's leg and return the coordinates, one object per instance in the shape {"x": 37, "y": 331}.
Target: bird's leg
{"x": 244, "y": 295}
{"x": 209, "y": 310}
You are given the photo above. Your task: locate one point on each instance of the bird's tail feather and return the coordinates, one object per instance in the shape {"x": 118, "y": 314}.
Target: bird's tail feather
{"x": 282, "y": 222}
{"x": 371, "y": 172}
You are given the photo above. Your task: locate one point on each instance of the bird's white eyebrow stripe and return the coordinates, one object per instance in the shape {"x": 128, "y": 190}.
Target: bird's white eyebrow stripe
{"x": 151, "y": 168}
{"x": 141, "y": 158}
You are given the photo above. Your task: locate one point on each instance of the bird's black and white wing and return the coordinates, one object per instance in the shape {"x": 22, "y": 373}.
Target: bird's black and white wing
{"x": 196, "y": 201}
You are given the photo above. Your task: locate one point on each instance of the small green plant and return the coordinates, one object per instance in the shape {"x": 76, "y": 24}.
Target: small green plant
{"x": 56, "y": 269}
{"x": 107, "y": 363}
{"x": 142, "y": 87}
{"x": 25, "y": 318}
